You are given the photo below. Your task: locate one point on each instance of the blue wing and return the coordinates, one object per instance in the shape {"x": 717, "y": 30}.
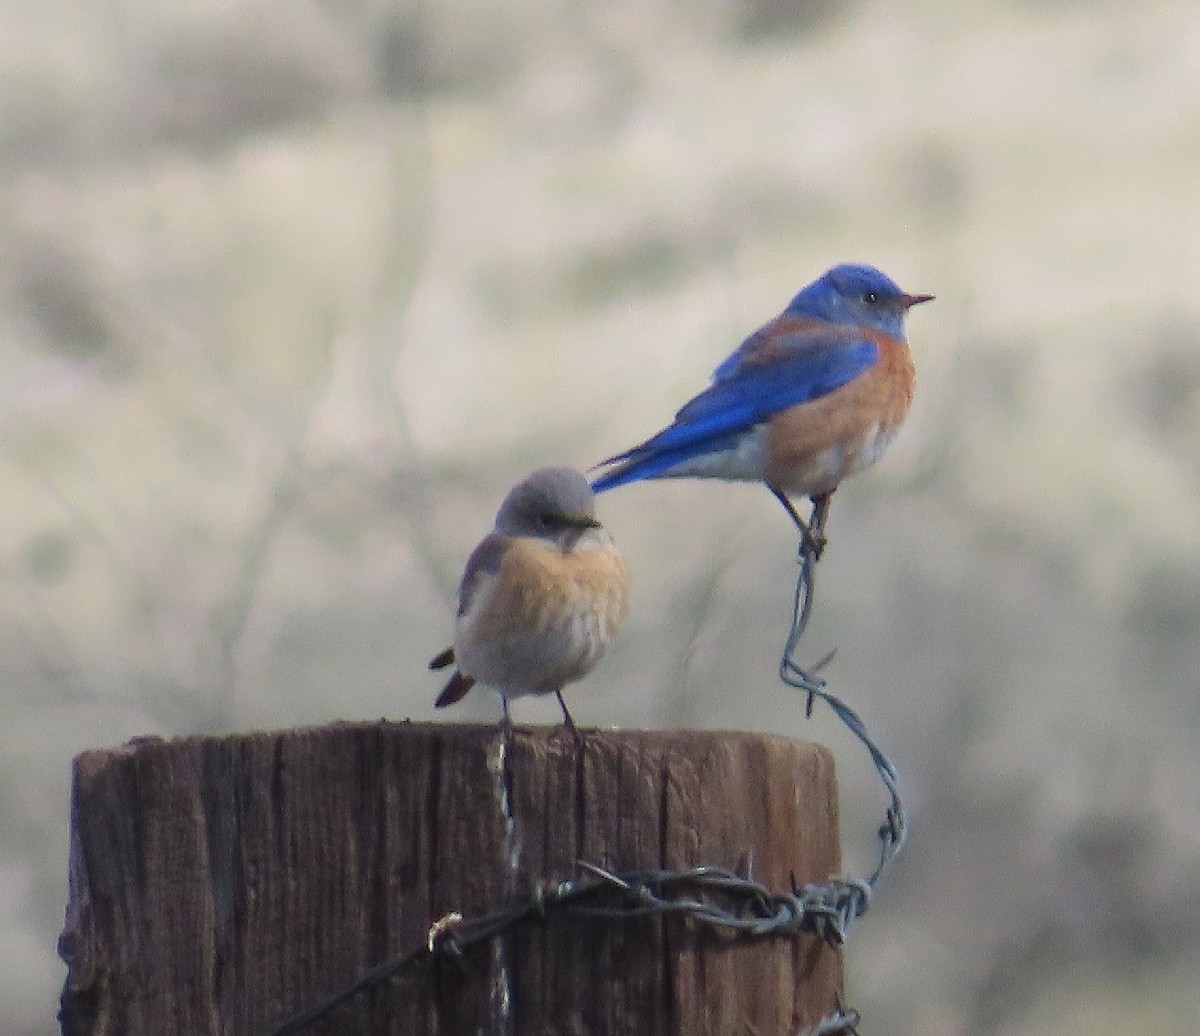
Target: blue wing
{"x": 745, "y": 393}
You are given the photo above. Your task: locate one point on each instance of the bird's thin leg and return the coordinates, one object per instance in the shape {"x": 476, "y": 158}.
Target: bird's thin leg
{"x": 781, "y": 496}
{"x": 816, "y": 522}
{"x": 812, "y": 534}
{"x": 567, "y": 721}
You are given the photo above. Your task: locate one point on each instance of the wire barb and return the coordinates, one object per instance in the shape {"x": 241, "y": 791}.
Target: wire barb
{"x": 442, "y": 929}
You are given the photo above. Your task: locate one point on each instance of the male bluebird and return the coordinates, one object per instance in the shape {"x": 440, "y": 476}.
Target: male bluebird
{"x": 541, "y": 597}
{"x": 811, "y": 397}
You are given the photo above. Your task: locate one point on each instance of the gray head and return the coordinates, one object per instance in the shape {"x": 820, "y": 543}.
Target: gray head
{"x": 548, "y": 504}
{"x": 859, "y": 295}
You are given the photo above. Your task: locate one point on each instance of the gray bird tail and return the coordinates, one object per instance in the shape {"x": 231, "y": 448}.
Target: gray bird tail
{"x": 442, "y": 660}
{"x": 455, "y": 690}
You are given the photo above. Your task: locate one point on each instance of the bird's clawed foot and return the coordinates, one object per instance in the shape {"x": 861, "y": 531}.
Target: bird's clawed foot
{"x": 812, "y": 532}
{"x": 812, "y": 542}
{"x": 815, "y": 541}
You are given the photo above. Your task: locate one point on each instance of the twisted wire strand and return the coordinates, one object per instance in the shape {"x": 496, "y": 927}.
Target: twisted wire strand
{"x": 732, "y": 902}
{"x": 894, "y": 829}
{"x": 851, "y": 903}
{"x": 714, "y": 896}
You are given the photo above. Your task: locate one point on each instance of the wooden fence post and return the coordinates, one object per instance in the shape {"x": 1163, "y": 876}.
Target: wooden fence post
{"x": 218, "y": 885}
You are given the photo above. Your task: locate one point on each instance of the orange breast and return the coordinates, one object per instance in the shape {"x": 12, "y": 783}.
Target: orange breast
{"x": 545, "y": 618}
{"x": 813, "y": 446}
{"x": 542, "y": 580}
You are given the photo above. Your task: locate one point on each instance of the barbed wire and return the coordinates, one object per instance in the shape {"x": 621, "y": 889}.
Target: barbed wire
{"x": 715, "y": 896}
{"x": 707, "y": 895}
{"x": 894, "y": 829}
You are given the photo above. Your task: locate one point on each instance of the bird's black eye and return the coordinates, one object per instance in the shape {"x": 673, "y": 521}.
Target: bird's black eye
{"x": 870, "y": 297}
{"x": 545, "y": 519}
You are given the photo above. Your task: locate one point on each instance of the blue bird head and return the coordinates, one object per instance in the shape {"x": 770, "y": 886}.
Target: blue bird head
{"x": 858, "y": 295}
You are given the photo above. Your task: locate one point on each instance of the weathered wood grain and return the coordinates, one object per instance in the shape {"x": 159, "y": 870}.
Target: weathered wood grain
{"x": 217, "y": 885}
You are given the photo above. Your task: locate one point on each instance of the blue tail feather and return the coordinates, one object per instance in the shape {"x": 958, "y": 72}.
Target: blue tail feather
{"x": 653, "y": 459}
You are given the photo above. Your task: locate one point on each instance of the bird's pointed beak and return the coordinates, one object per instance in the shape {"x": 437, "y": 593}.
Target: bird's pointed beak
{"x": 916, "y": 300}
{"x": 582, "y": 522}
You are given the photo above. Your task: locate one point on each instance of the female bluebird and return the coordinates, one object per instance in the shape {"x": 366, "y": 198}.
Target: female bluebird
{"x": 542, "y": 595}
{"x": 813, "y": 396}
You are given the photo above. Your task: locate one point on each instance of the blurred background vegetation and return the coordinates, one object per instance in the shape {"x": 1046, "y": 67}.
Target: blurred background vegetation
{"x": 292, "y": 293}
